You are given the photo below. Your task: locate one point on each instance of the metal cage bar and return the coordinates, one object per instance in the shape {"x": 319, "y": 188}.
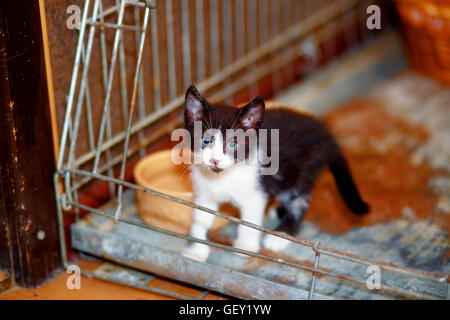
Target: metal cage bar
{"x": 316, "y": 247}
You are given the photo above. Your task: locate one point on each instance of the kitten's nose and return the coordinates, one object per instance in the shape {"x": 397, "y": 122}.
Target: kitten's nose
{"x": 214, "y": 165}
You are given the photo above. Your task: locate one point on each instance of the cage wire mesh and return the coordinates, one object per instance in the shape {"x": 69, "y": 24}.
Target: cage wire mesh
{"x": 119, "y": 48}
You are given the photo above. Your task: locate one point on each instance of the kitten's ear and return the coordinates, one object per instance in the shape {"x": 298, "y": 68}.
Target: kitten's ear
{"x": 194, "y": 106}
{"x": 251, "y": 115}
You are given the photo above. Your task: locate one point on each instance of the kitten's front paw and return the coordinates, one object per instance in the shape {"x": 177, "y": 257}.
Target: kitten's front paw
{"x": 252, "y": 246}
{"x": 274, "y": 243}
{"x": 197, "y": 251}
{"x": 273, "y": 213}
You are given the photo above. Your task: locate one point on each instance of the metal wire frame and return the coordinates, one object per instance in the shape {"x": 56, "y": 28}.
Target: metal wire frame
{"x": 145, "y": 287}
{"x": 269, "y": 43}
{"x": 316, "y": 247}
{"x": 295, "y": 32}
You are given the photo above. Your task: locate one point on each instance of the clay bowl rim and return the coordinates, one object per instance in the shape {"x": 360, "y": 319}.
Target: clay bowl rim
{"x": 140, "y": 180}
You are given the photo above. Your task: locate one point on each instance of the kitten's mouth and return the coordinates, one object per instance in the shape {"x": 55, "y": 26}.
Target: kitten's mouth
{"x": 215, "y": 169}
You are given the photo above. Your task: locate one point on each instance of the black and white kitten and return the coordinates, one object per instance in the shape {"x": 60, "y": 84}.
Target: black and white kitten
{"x": 218, "y": 175}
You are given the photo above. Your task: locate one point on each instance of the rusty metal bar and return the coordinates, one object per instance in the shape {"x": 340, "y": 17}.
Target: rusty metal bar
{"x": 130, "y": 116}
{"x": 186, "y": 43}
{"x": 108, "y": 89}
{"x": 155, "y": 60}
{"x": 105, "y": 84}
{"x": 171, "y": 50}
{"x": 114, "y": 26}
{"x": 214, "y": 35}
{"x": 81, "y": 97}
{"x": 141, "y": 91}
{"x": 73, "y": 85}
{"x": 142, "y": 287}
{"x": 200, "y": 40}
{"x": 314, "y": 276}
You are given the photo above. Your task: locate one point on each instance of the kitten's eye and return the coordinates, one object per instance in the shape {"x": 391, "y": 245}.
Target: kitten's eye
{"x": 206, "y": 141}
{"x": 232, "y": 145}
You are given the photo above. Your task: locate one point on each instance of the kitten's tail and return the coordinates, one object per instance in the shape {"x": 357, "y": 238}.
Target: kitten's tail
{"x": 344, "y": 181}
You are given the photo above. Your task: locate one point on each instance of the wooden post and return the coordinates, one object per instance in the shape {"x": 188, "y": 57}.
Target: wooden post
{"x": 29, "y": 242}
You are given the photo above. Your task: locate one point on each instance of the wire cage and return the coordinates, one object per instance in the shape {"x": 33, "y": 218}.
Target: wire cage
{"x": 133, "y": 61}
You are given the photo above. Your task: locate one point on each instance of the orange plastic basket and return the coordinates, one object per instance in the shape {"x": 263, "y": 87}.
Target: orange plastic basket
{"x": 427, "y": 32}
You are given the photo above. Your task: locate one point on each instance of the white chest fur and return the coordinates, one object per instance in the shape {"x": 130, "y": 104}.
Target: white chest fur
{"x": 237, "y": 184}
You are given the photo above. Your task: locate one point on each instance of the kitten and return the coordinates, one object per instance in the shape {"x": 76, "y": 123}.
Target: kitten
{"x": 218, "y": 175}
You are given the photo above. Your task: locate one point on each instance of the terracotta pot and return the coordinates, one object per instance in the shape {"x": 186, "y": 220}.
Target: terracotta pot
{"x": 158, "y": 172}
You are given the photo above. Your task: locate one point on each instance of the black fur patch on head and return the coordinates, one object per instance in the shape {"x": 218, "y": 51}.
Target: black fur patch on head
{"x": 222, "y": 117}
